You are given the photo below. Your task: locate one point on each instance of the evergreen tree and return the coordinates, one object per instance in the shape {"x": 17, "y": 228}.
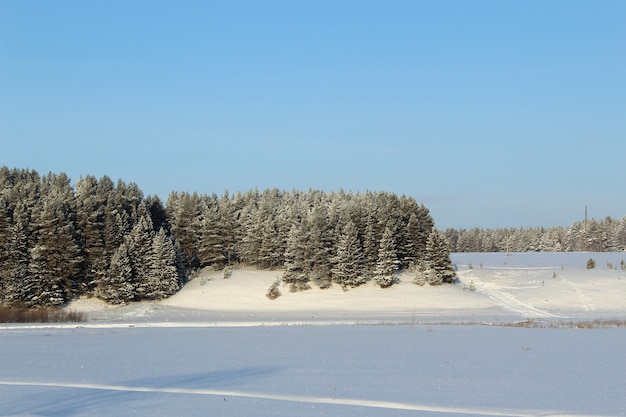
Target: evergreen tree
{"x": 439, "y": 268}
{"x": 56, "y": 256}
{"x": 15, "y": 266}
{"x": 348, "y": 269}
{"x": 230, "y": 227}
{"x": 164, "y": 279}
{"x": 251, "y": 239}
{"x": 319, "y": 245}
{"x": 388, "y": 262}
{"x": 5, "y": 228}
{"x": 419, "y": 226}
{"x": 92, "y": 200}
{"x": 211, "y": 248}
{"x": 296, "y": 271}
{"x": 270, "y": 256}
{"x": 371, "y": 242}
{"x": 117, "y": 286}
{"x": 140, "y": 243}
{"x": 158, "y": 214}
{"x": 184, "y": 211}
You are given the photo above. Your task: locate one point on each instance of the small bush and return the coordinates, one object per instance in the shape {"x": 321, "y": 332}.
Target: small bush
{"x": 472, "y": 286}
{"x": 420, "y": 279}
{"x": 591, "y": 263}
{"x": 38, "y": 315}
{"x": 273, "y": 292}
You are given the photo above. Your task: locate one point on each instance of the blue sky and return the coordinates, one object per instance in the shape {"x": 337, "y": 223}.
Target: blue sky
{"x": 491, "y": 113}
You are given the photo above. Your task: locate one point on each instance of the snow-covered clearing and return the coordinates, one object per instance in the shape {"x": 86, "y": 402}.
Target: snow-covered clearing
{"x": 222, "y": 349}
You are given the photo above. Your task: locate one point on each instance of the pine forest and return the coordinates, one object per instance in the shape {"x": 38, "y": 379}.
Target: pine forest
{"x": 60, "y": 241}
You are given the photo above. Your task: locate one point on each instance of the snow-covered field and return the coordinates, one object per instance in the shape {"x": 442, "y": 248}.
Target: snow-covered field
{"x": 221, "y": 348}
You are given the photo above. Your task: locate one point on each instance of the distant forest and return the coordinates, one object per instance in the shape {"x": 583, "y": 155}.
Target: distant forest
{"x": 607, "y": 235}
{"x": 105, "y": 239}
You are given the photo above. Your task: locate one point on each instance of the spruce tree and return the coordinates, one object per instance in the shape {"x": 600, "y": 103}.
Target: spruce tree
{"x": 164, "y": 279}
{"x": 91, "y": 204}
{"x": 439, "y": 268}
{"x": 348, "y": 267}
{"x": 230, "y": 227}
{"x": 15, "y": 266}
{"x": 269, "y": 252}
{"x": 388, "y": 262}
{"x": 139, "y": 244}
{"x": 56, "y": 256}
{"x": 296, "y": 272}
{"x": 371, "y": 242}
{"x": 251, "y": 239}
{"x": 183, "y": 210}
{"x": 320, "y": 246}
{"x": 211, "y": 247}
{"x": 117, "y": 286}
{"x": 5, "y": 227}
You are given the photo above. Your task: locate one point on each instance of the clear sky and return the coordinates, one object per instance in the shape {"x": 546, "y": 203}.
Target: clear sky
{"x": 491, "y": 113}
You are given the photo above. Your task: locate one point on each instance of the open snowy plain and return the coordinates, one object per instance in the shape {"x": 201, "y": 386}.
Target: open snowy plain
{"x": 220, "y": 348}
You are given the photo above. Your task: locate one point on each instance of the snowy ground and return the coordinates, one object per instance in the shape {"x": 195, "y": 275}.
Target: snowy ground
{"x": 220, "y": 348}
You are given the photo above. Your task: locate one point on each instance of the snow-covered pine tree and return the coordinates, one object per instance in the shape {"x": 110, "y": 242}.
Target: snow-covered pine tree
{"x": 251, "y": 231}
{"x": 164, "y": 279}
{"x": 439, "y": 268}
{"x": 139, "y": 244}
{"x": 157, "y": 213}
{"x": 15, "y": 266}
{"x": 5, "y": 227}
{"x": 320, "y": 246}
{"x": 183, "y": 210}
{"x": 91, "y": 202}
{"x": 348, "y": 266}
{"x": 230, "y": 228}
{"x": 211, "y": 247}
{"x": 296, "y": 272}
{"x": 117, "y": 286}
{"x": 269, "y": 253}
{"x": 117, "y": 225}
{"x": 371, "y": 242}
{"x": 419, "y": 227}
{"x": 388, "y": 262}
{"x": 55, "y": 259}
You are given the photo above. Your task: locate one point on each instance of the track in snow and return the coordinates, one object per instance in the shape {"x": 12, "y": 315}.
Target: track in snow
{"x": 508, "y": 301}
{"x": 305, "y": 399}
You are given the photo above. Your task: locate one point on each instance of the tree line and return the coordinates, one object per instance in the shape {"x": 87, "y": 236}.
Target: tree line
{"x": 604, "y": 235}
{"x": 59, "y": 241}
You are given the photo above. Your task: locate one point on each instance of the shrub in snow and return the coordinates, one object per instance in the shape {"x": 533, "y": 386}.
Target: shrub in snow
{"x": 420, "y": 279}
{"x": 591, "y": 263}
{"x": 273, "y": 292}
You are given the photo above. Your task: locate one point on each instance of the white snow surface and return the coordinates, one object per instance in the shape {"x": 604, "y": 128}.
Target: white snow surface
{"x": 221, "y": 348}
